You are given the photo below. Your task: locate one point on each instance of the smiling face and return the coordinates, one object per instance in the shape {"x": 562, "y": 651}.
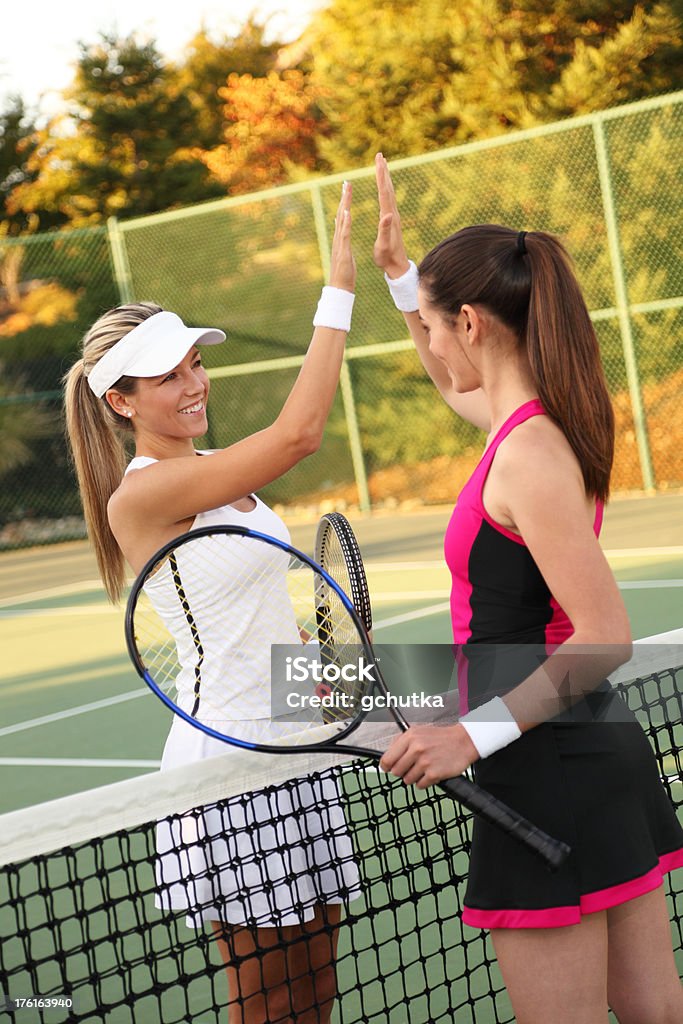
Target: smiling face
{"x": 171, "y": 406}
{"x": 453, "y": 341}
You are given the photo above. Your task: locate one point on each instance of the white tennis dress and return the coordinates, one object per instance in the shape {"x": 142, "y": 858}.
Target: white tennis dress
{"x": 268, "y": 859}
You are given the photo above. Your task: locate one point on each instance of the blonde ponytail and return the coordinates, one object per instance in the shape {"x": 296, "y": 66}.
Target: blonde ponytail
{"x": 95, "y": 433}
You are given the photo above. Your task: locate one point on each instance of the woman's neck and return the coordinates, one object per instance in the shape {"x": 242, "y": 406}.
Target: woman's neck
{"x": 164, "y": 447}
{"x": 507, "y": 384}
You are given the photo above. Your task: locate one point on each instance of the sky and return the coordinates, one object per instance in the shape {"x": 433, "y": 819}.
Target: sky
{"x": 39, "y": 38}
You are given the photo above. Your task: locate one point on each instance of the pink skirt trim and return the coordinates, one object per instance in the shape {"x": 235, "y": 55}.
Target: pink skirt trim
{"x": 560, "y": 917}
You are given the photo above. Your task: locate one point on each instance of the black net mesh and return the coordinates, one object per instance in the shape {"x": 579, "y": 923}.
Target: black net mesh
{"x": 91, "y": 924}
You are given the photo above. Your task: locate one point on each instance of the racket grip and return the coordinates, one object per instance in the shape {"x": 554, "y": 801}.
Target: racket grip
{"x": 552, "y": 851}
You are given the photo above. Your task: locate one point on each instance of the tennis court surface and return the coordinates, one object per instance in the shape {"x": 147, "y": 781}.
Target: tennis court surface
{"x": 78, "y": 918}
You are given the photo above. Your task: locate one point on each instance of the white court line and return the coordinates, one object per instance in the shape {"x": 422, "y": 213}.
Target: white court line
{"x": 404, "y": 566}
{"x": 85, "y": 610}
{"x": 68, "y": 588}
{"x": 58, "y": 716}
{"x": 396, "y": 620}
{"x": 378, "y": 597}
{"x": 649, "y": 584}
{"x": 643, "y": 552}
{"x": 407, "y": 595}
{"x": 73, "y": 609}
{"x": 74, "y": 762}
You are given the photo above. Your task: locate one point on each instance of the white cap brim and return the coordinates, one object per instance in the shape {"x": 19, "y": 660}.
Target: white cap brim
{"x": 154, "y": 347}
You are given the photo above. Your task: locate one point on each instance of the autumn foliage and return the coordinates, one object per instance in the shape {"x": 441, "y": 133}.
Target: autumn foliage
{"x": 271, "y": 126}
{"x": 140, "y": 134}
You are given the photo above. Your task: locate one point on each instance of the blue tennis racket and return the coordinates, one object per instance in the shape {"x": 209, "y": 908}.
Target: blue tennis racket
{"x": 251, "y": 641}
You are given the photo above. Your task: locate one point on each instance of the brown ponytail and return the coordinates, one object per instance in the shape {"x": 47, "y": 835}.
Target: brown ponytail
{"x": 526, "y": 279}
{"x": 95, "y": 433}
{"x": 565, "y": 361}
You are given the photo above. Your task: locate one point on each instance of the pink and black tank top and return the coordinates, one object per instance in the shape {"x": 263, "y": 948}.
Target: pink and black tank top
{"x": 498, "y": 595}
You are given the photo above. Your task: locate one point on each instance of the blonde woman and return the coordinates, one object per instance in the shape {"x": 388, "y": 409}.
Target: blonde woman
{"x": 141, "y": 374}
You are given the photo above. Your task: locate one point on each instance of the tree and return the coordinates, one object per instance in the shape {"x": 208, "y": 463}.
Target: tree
{"x": 517, "y": 66}
{"x": 546, "y": 61}
{"x": 641, "y": 57}
{"x": 208, "y": 64}
{"x": 381, "y": 70}
{"x": 124, "y": 146}
{"x": 408, "y": 76}
{"x": 16, "y": 134}
{"x": 21, "y": 423}
{"x": 272, "y": 126}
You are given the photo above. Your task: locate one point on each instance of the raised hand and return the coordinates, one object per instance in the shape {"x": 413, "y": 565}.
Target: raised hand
{"x": 342, "y": 263}
{"x": 389, "y": 251}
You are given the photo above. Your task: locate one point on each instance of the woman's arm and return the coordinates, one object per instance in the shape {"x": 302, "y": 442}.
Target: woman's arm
{"x": 390, "y": 255}
{"x": 176, "y": 489}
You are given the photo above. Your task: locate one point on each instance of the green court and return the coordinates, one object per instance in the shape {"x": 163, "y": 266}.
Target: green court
{"x": 76, "y": 716}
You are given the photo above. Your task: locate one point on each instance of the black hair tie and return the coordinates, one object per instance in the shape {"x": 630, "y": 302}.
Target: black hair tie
{"x": 521, "y": 244}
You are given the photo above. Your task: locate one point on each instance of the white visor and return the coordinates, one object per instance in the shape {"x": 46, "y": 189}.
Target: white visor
{"x": 154, "y": 347}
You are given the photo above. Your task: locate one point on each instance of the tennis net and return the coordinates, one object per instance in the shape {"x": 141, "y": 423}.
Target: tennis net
{"x": 82, "y": 937}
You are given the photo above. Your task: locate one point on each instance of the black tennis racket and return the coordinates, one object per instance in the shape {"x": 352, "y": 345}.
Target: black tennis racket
{"x": 222, "y": 623}
{"x": 337, "y": 552}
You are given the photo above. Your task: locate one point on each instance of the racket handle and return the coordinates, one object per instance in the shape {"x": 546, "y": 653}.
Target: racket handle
{"x": 552, "y": 851}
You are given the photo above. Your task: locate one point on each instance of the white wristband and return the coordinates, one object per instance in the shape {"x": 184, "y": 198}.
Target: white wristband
{"x": 334, "y": 309}
{"x": 491, "y": 727}
{"x": 404, "y": 289}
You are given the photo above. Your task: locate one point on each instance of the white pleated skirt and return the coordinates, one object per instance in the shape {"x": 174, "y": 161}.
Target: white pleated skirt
{"x": 265, "y": 859}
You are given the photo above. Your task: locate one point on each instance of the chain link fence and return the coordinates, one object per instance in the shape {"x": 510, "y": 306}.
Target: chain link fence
{"x": 609, "y": 184}
{"x": 52, "y": 287}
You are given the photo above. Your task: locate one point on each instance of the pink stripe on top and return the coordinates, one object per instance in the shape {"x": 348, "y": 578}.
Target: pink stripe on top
{"x": 464, "y": 531}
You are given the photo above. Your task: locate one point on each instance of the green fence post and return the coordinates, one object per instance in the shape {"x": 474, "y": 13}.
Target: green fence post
{"x": 348, "y": 400}
{"x": 622, "y": 303}
{"x": 119, "y": 259}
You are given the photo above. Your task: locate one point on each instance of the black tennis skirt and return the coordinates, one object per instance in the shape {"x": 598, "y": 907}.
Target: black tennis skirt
{"x": 596, "y": 785}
